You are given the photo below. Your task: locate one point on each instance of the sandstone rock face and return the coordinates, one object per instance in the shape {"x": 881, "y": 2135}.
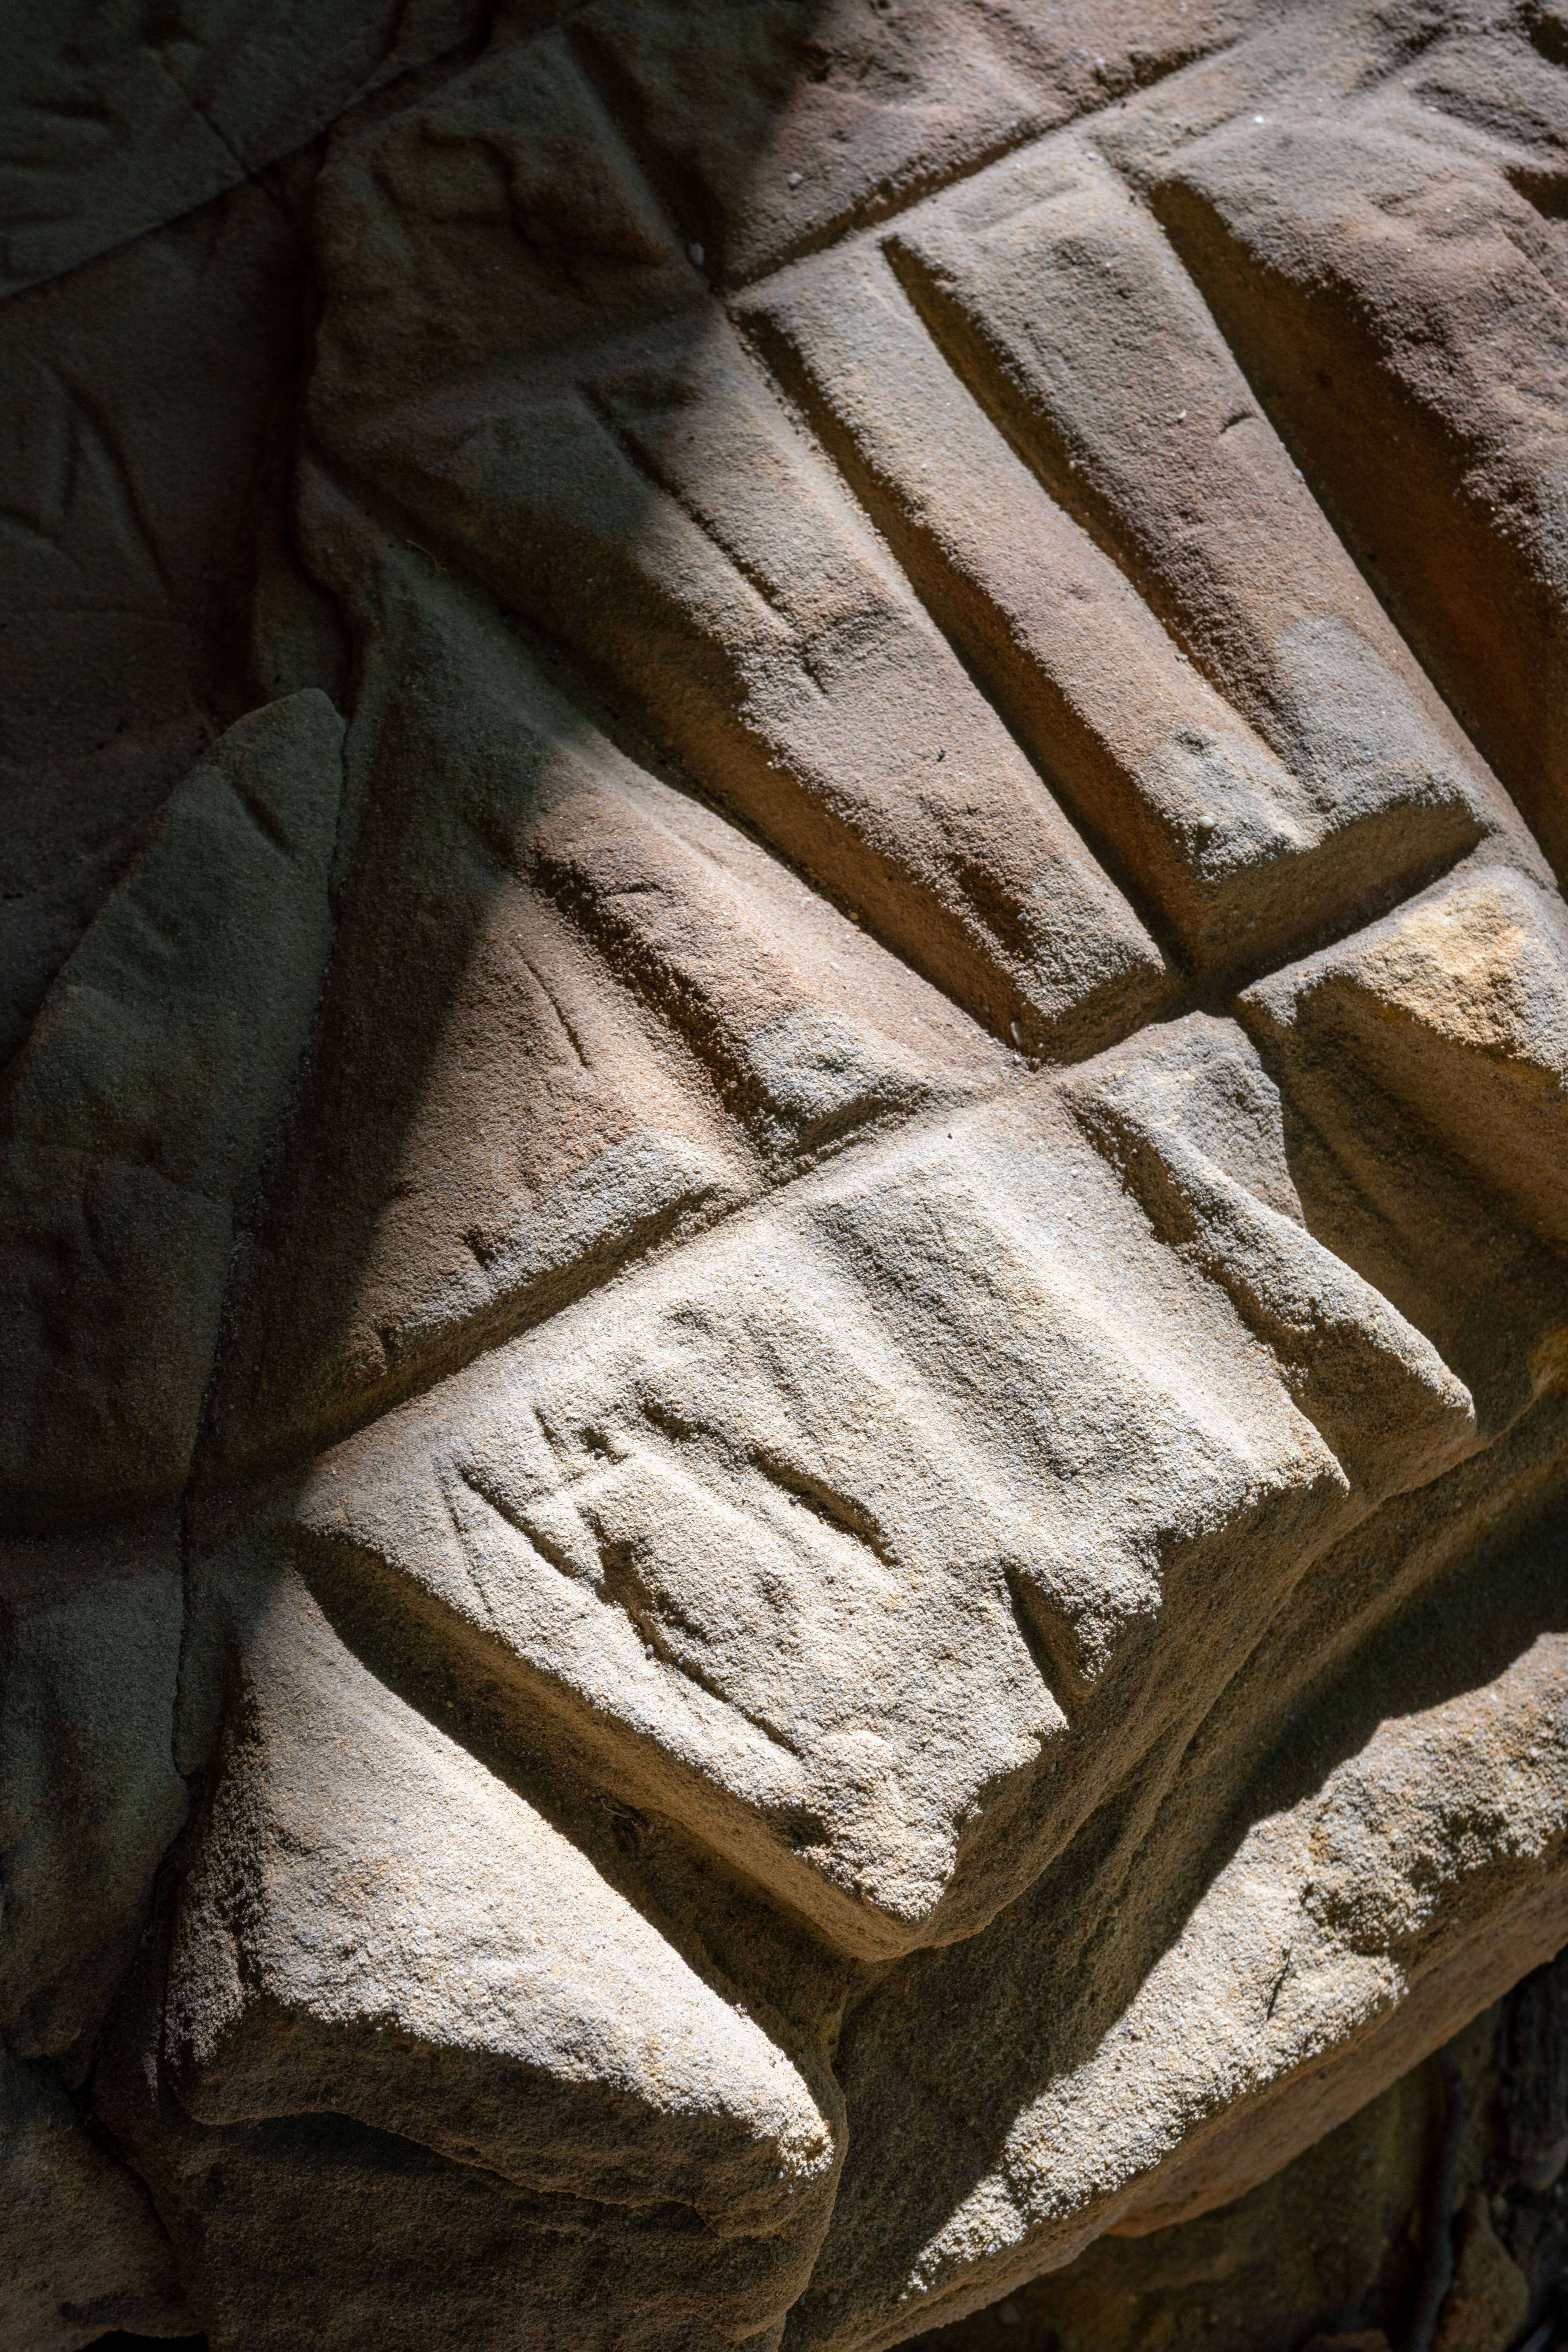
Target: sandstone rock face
{"x": 782, "y": 1170}
{"x": 1438, "y": 2206}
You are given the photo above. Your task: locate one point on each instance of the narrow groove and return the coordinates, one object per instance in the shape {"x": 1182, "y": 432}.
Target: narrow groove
{"x": 1388, "y": 601}
{"x": 648, "y": 470}
{"x": 583, "y": 1058}
{"x": 931, "y": 306}
{"x": 460, "y": 1540}
{"x": 125, "y": 499}
{"x": 593, "y": 695}
{"x": 898, "y": 531}
{"x": 838, "y": 1513}
{"x": 625, "y": 1589}
{"x": 603, "y": 709}
{"x": 1099, "y": 523}
{"x": 638, "y": 965}
{"x": 261, "y": 816}
{"x": 1199, "y": 991}
{"x": 875, "y": 211}
{"x": 1057, "y": 1677}
{"x": 678, "y": 194}
{"x": 1220, "y": 989}
{"x": 488, "y": 1329}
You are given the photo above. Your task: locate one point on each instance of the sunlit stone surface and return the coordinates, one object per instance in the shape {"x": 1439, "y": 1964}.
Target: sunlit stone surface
{"x": 786, "y": 1149}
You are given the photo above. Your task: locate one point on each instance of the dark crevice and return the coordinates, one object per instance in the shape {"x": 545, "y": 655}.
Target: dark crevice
{"x": 1546, "y": 24}
{"x": 1441, "y": 2200}
{"x": 1547, "y": 190}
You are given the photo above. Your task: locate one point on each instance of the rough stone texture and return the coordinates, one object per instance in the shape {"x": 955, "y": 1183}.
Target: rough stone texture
{"x": 89, "y": 1798}
{"x": 137, "y": 1111}
{"x": 118, "y": 115}
{"x": 782, "y": 1168}
{"x": 139, "y": 397}
{"x": 1434, "y": 2194}
{"x": 84, "y": 2249}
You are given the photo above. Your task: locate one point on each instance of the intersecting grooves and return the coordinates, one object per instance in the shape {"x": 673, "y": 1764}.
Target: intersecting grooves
{"x": 1481, "y": 645}
{"x": 1410, "y": 872}
{"x": 506, "y": 1320}
{"x": 880, "y": 503}
{"x": 829, "y": 1509}
{"x": 917, "y": 190}
{"x": 622, "y": 1588}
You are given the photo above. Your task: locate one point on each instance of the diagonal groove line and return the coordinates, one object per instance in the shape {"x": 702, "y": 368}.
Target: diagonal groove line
{"x": 648, "y": 470}
{"x": 829, "y": 1509}
{"x": 1302, "y": 459}
{"x": 1026, "y": 1617}
{"x": 894, "y": 202}
{"x": 618, "y": 1580}
{"x": 679, "y": 199}
{"x": 499, "y": 1326}
{"x": 1220, "y": 985}
{"x": 593, "y": 695}
{"x": 236, "y": 160}
{"x": 837, "y": 449}
{"x": 925, "y": 300}
{"x": 616, "y": 720}
{"x": 1211, "y": 991}
{"x": 101, "y": 441}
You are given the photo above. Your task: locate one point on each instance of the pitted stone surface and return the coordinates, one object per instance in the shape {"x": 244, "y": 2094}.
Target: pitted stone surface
{"x": 787, "y": 1310}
